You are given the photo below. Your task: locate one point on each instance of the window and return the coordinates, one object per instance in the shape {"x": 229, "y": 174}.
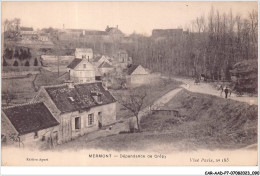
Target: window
{"x": 77, "y": 123}
{"x": 35, "y": 134}
{"x": 90, "y": 119}
{"x": 84, "y": 65}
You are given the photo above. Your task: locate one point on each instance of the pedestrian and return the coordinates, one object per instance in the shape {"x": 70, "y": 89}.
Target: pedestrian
{"x": 226, "y": 92}
{"x": 221, "y": 90}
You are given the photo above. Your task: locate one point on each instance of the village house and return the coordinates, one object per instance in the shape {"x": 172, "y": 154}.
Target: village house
{"x": 105, "y": 68}
{"x": 81, "y": 71}
{"x": 137, "y": 75}
{"x": 80, "y": 108}
{"x": 28, "y": 33}
{"x": 29, "y": 125}
{"x": 84, "y": 53}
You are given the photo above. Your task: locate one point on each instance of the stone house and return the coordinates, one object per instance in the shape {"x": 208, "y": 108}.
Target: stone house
{"x": 84, "y": 53}
{"x": 137, "y": 75}
{"x": 80, "y": 108}
{"x": 29, "y": 125}
{"x": 81, "y": 71}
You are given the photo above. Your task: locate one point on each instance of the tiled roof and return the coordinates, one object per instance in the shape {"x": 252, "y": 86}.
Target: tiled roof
{"x": 74, "y": 63}
{"x": 29, "y": 118}
{"x": 131, "y": 69}
{"x": 105, "y": 65}
{"x": 81, "y": 94}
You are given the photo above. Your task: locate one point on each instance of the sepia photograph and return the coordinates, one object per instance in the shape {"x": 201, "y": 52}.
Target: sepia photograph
{"x": 129, "y": 83}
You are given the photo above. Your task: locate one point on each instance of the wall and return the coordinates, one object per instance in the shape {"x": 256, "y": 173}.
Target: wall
{"x": 67, "y": 129}
{"x": 29, "y": 140}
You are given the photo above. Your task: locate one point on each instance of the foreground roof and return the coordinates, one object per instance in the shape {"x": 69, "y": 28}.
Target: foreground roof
{"x": 29, "y": 118}
{"x": 78, "y": 98}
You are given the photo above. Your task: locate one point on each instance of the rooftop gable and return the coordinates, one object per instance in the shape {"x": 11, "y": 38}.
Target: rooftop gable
{"x": 131, "y": 69}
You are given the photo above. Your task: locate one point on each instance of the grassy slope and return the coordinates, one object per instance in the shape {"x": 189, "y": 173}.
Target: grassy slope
{"x": 207, "y": 122}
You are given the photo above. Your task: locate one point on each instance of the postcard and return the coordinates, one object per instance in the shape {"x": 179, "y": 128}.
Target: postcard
{"x": 129, "y": 83}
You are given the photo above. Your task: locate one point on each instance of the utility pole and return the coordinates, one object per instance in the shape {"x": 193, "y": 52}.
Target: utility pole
{"x": 58, "y": 57}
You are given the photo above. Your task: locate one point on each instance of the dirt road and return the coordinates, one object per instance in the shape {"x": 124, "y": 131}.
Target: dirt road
{"x": 206, "y": 88}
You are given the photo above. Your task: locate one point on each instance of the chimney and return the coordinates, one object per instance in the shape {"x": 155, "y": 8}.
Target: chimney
{"x": 117, "y": 26}
{"x": 88, "y": 58}
{"x": 70, "y": 84}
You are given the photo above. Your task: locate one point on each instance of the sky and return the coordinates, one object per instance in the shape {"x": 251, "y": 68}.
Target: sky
{"x": 139, "y": 17}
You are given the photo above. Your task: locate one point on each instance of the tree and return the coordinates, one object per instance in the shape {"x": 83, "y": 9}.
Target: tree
{"x": 27, "y": 63}
{"x": 16, "y": 53}
{"x": 29, "y": 54}
{"x": 133, "y": 100}
{"x": 5, "y": 63}
{"x": 35, "y": 62}
{"x": 15, "y": 63}
{"x": 8, "y": 97}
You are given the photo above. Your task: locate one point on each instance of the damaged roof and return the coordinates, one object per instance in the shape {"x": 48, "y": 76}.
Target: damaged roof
{"x": 29, "y": 118}
{"x": 78, "y": 98}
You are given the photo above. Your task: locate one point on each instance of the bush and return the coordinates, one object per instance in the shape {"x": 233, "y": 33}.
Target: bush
{"x": 35, "y": 62}
{"x": 15, "y": 63}
{"x": 27, "y": 64}
{"x": 5, "y": 63}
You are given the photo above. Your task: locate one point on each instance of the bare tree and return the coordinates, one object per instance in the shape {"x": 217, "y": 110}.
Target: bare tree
{"x": 133, "y": 100}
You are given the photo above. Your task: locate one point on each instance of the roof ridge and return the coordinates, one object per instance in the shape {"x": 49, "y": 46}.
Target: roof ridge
{"x": 24, "y": 104}
{"x": 53, "y": 86}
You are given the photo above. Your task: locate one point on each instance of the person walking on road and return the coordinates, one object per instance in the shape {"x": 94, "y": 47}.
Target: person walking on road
{"x": 221, "y": 88}
{"x": 226, "y": 92}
